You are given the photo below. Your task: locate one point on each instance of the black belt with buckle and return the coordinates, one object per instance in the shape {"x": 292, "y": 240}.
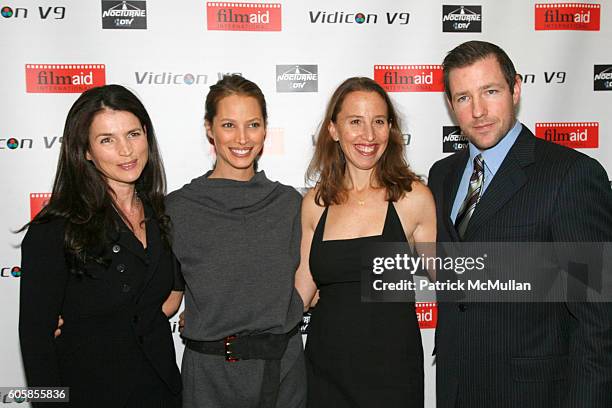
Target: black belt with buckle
{"x": 265, "y": 346}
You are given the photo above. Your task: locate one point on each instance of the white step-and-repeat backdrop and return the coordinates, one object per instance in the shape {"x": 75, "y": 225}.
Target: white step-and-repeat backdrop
{"x": 169, "y": 53}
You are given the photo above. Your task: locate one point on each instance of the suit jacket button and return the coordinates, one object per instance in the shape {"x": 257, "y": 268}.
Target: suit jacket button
{"x": 116, "y": 248}
{"x": 121, "y": 268}
{"x": 125, "y": 288}
{"x": 462, "y": 307}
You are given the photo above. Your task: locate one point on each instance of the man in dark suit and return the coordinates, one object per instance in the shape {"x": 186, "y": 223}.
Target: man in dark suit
{"x": 509, "y": 186}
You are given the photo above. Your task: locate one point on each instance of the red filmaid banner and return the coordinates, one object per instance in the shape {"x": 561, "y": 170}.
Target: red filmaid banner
{"x": 64, "y": 78}
{"x": 409, "y": 78}
{"x": 427, "y": 314}
{"x": 37, "y": 202}
{"x": 244, "y": 16}
{"x": 567, "y": 16}
{"x": 577, "y": 135}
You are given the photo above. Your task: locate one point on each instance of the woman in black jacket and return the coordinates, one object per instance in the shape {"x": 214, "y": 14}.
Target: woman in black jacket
{"x": 99, "y": 255}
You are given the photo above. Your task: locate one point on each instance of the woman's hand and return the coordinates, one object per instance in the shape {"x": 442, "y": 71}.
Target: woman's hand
{"x": 60, "y": 323}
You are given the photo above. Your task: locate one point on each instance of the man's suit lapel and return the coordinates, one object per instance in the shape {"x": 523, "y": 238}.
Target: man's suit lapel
{"x": 449, "y": 190}
{"x": 508, "y": 180}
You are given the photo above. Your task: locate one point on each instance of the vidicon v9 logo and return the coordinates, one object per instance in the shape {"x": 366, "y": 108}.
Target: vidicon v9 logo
{"x": 10, "y": 272}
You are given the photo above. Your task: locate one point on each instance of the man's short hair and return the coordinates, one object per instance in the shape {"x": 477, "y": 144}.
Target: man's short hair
{"x": 472, "y": 51}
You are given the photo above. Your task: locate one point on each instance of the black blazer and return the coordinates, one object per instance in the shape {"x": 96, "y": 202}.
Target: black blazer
{"x": 527, "y": 354}
{"x": 114, "y": 325}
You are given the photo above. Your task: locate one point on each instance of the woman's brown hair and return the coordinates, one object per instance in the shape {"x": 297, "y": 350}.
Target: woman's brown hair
{"x": 328, "y": 165}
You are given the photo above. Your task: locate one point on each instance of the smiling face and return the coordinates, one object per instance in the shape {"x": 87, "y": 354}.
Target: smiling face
{"x": 362, "y": 129}
{"x": 483, "y": 102}
{"x": 237, "y": 131}
{"x": 118, "y": 147}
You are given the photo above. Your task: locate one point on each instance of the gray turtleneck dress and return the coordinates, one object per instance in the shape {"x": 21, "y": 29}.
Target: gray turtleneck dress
{"x": 239, "y": 245}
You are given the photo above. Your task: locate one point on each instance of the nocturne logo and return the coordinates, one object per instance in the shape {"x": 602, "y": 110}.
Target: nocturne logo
{"x": 567, "y": 16}
{"x": 124, "y": 14}
{"x": 297, "y": 78}
{"x": 44, "y": 13}
{"x": 345, "y": 17}
{"x": 12, "y": 143}
{"x": 169, "y": 78}
{"x": 427, "y": 314}
{"x": 577, "y": 135}
{"x": 64, "y": 78}
{"x": 461, "y": 19}
{"x": 602, "y": 78}
{"x": 244, "y": 16}
{"x": 452, "y": 139}
{"x": 10, "y": 272}
{"x": 409, "y": 78}
{"x": 37, "y": 202}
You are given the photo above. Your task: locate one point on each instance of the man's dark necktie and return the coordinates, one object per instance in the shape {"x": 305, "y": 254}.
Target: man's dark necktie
{"x": 472, "y": 197}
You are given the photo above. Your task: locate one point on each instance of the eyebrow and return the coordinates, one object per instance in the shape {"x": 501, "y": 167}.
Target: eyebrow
{"x": 248, "y": 120}
{"x": 482, "y": 88}
{"x": 138, "y": 129}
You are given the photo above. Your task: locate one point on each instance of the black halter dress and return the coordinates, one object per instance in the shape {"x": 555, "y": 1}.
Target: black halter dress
{"x": 360, "y": 354}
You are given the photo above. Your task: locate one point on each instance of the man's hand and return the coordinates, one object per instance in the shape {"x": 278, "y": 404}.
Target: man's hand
{"x": 181, "y": 322}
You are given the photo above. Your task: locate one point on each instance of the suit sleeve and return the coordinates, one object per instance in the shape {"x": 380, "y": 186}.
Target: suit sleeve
{"x": 43, "y": 281}
{"x": 584, "y": 214}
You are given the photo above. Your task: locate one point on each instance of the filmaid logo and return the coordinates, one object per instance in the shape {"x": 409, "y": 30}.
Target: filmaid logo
{"x": 409, "y": 78}
{"x": 462, "y": 19}
{"x": 567, "y": 16}
{"x": 602, "y": 79}
{"x": 427, "y": 314}
{"x": 64, "y": 78}
{"x": 297, "y": 78}
{"x": 124, "y": 14}
{"x": 576, "y": 135}
{"x": 452, "y": 139}
{"x": 244, "y": 16}
{"x": 37, "y": 202}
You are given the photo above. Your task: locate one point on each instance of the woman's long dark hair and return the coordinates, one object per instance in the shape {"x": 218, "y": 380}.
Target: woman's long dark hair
{"x": 81, "y": 194}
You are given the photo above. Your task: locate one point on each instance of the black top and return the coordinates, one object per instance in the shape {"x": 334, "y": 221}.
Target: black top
{"x": 114, "y": 325}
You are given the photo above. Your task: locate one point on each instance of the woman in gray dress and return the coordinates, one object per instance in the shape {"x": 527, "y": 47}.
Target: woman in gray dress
{"x": 237, "y": 237}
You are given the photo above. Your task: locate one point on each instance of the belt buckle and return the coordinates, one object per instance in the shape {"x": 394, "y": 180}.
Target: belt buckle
{"x": 227, "y": 342}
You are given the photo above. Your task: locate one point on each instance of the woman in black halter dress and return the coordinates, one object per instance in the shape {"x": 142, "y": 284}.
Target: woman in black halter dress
{"x": 360, "y": 354}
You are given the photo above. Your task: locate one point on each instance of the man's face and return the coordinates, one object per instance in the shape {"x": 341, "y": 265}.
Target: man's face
{"x": 482, "y": 102}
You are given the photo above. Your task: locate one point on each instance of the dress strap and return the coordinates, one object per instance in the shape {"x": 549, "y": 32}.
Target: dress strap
{"x": 393, "y": 230}
{"x": 318, "y": 234}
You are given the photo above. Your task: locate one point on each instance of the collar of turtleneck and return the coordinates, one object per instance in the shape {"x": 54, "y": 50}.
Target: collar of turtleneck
{"x": 227, "y": 195}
